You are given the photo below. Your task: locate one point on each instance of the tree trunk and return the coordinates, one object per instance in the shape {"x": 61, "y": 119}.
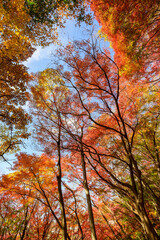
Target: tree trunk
{"x": 61, "y": 201}
{"x": 146, "y": 223}
{"x": 89, "y": 205}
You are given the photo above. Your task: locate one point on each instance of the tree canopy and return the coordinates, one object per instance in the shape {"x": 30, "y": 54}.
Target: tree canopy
{"x": 133, "y": 29}
{"x": 94, "y": 117}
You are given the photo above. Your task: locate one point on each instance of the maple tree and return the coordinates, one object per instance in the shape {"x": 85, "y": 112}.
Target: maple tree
{"x": 114, "y": 120}
{"x": 35, "y": 190}
{"x": 133, "y": 29}
{"x": 49, "y": 98}
{"x": 116, "y": 127}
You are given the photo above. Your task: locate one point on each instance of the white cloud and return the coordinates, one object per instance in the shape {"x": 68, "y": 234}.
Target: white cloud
{"x": 40, "y": 54}
{"x": 41, "y": 58}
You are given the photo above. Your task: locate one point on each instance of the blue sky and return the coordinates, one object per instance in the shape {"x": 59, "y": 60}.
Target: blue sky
{"x": 41, "y": 59}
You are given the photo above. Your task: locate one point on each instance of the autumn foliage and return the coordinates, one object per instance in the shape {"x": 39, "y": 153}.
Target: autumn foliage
{"x": 132, "y": 27}
{"x": 96, "y": 121}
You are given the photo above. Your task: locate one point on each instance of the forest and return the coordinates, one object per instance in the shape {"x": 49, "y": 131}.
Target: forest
{"x": 94, "y": 113}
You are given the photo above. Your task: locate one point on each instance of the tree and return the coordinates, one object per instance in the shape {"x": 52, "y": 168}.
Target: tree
{"x": 38, "y": 186}
{"x": 115, "y": 119}
{"x": 50, "y": 97}
{"x": 47, "y": 105}
{"x": 13, "y": 80}
{"x": 24, "y": 25}
{"x": 133, "y": 29}
{"x": 51, "y": 11}
{"x": 16, "y": 214}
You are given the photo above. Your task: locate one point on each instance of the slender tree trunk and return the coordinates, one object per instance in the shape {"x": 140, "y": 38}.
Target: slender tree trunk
{"x": 62, "y": 207}
{"x": 89, "y": 205}
{"x": 25, "y": 224}
{"x": 139, "y": 199}
{"x": 146, "y": 223}
{"x": 75, "y": 203}
{"x": 140, "y": 205}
